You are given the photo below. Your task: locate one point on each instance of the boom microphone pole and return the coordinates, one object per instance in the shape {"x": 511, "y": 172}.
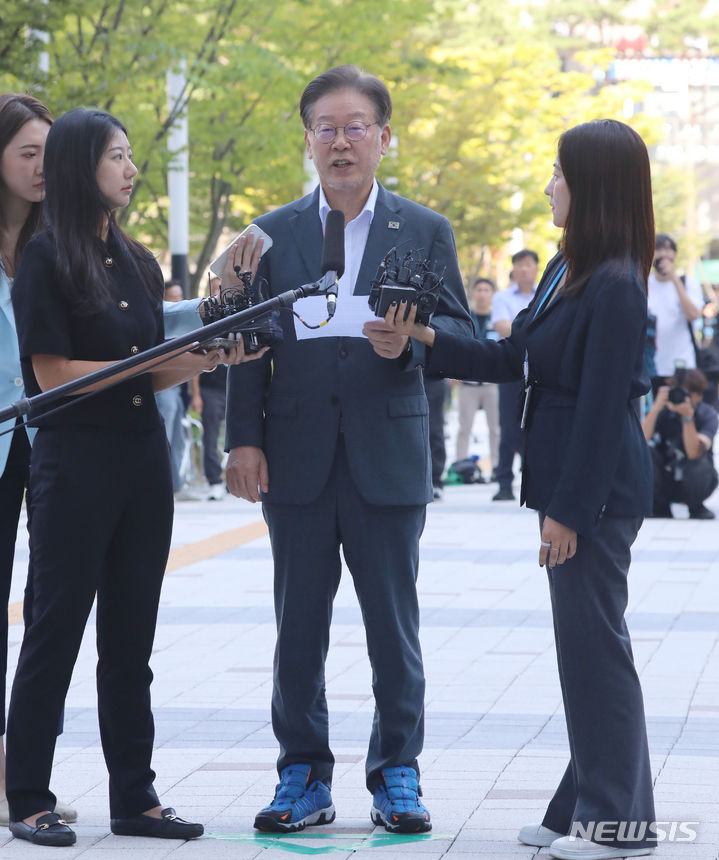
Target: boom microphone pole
{"x": 34, "y": 406}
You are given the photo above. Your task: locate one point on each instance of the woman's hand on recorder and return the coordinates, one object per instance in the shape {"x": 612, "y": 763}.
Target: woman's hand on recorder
{"x": 191, "y": 362}
{"x": 237, "y": 354}
{"x": 557, "y": 544}
{"x": 200, "y": 360}
{"x": 401, "y": 317}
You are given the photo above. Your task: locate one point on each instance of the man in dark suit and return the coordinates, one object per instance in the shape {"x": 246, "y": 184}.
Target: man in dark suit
{"x": 331, "y": 433}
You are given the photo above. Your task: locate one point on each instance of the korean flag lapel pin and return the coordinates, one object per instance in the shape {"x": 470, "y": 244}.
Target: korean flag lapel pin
{"x": 393, "y": 225}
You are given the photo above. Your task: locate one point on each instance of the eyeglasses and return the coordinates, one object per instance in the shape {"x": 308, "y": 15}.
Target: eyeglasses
{"x": 326, "y": 133}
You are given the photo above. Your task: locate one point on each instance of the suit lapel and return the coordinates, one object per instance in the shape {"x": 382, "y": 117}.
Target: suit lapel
{"x": 385, "y": 232}
{"x": 307, "y": 230}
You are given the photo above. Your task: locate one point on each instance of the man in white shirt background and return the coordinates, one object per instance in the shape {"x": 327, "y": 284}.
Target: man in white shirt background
{"x": 676, "y": 302}
{"x": 505, "y": 307}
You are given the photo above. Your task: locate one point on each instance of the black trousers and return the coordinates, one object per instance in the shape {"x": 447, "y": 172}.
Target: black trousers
{"x": 608, "y": 778}
{"x": 436, "y": 391}
{"x": 699, "y": 480}
{"x": 381, "y": 549}
{"x": 213, "y": 414}
{"x": 101, "y": 522}
{"x": 13, "y": 483}
{"x": 509, "y": 395}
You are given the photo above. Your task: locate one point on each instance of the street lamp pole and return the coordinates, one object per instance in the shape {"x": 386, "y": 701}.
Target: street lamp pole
{"x": 178, "y": 178}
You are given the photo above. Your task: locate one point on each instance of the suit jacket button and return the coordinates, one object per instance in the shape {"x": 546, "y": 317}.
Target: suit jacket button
{"x": 123, "y": 305}
{"x": 343, "y": 353}
{"x": 134, "y": 350}
{"x": 137, "y": 400}
{"x": 334, "y": 400}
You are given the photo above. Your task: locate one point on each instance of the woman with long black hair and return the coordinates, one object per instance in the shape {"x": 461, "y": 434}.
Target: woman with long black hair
{"x": 24, "y": 124}
{"x": 87, "y": 295}
{"x": 580, "y": 348}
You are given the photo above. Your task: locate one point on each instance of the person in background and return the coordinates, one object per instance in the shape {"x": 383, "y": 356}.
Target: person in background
{"x": 436, "y": 390}
{"x": 173, "y": 291}
{"x": 680, "y": 428}
{"x": 675, "y": 301}
{"x": 208, "y": 400}
{"x": 587, "y": 471}
{"x": 171, "y": 405}
{"x": 505, "y": 307}
{"x": 480, "y": 395}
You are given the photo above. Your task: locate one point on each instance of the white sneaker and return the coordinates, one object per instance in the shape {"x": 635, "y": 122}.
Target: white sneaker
{"x": 185, "y": 494}
{"x": 576, "y": 848}
{"x": 67, "y": 813}
{"x": 217, "y": 492}
{"x": 538, "y": 835}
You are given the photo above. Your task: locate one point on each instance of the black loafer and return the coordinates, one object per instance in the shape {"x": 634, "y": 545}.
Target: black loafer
{"x": 170, "y": 826}
{"x": 50, "y": 829}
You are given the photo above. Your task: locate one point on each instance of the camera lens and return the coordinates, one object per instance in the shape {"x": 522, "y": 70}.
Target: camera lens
{"x": 677, "y": 395}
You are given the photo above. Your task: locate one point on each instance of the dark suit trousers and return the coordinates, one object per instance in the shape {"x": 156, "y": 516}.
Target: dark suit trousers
{"x": 436, "y": 391}
{"x": 509, "y": 394}
{"x": 381, "y": 549}
{"x": 101, "y": 521}
{"x": 608, "y": 777}
{"x": 12, "y": 487}
{"x": 213, "y": 414}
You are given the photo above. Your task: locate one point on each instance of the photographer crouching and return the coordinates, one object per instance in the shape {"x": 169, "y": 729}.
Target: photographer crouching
{"x": 680, "y": 429}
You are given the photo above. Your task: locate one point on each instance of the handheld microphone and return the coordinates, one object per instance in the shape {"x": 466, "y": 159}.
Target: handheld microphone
{"x": 333, "y": 256}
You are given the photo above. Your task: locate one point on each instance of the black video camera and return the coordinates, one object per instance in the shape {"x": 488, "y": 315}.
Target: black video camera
{"x": 410, "y": 278}
{"x": 678, "y": 393}
{"x": 256, "y": 333}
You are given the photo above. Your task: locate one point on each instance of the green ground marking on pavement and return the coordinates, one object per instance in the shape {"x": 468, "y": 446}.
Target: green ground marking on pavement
{"x": 285, "y": 841}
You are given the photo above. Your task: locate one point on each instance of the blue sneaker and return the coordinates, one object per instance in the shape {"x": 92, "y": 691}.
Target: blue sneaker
{"x": 396, "y": 802}
{"x": 297, "y": 802}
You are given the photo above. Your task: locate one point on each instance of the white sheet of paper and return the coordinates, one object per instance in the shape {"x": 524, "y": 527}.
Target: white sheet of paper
{"x": 351, "y": 314}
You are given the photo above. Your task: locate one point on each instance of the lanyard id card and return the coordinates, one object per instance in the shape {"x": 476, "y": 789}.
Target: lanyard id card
{"x": 550, "y": 291}
{"x": 525, "y": 408}
{"x": 527, "y": 392}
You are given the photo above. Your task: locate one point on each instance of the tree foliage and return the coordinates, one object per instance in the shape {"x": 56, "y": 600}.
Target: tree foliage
{"x": 482, "y": 137}
{"x": 246, "y": 66}
{"x": 482, "y": 91}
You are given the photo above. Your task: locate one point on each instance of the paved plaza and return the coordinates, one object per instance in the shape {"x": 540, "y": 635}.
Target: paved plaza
{"x": 495, "y": 737}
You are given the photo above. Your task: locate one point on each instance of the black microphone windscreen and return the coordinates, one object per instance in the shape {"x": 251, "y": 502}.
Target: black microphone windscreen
{"x": 333, "y": 248}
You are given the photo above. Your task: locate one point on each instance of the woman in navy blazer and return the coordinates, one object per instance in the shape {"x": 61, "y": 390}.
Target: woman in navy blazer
{"x": 587, "y": 471}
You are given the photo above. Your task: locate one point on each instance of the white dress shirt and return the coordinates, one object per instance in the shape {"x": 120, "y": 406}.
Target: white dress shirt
{"x": 506, "y": 304}
{"x": 674, "y": 342}
{"x": 356, "y": 233}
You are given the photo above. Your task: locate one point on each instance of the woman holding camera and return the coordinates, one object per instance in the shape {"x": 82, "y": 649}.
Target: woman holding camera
{"x": 85, "y": 296}
{"x": 680, "y": 429}
{"x": 587, "y": 471}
